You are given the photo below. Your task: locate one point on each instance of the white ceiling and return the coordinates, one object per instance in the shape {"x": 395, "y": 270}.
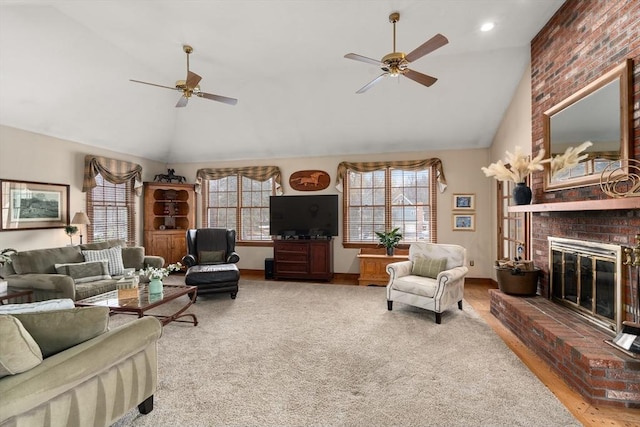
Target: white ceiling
{"x": 65, "y": 68}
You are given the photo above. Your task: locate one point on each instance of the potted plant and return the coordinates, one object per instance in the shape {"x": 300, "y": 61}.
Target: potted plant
{"x": 517, "y": 276}
{"x": 70, "y": 230}
{"x": 389, "y": 239}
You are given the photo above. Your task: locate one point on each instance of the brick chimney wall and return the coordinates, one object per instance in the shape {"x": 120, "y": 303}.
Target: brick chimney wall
{"x": 582, "y": 41}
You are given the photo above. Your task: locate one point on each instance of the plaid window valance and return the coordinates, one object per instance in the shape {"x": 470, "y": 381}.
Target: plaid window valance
{"x": 112, "y": 170}
{"x": 258, "y": 173}
{"x": 436, "y": 163}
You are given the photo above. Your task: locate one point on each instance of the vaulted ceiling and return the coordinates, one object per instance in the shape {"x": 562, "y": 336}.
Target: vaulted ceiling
{"x": 65, "y": 68}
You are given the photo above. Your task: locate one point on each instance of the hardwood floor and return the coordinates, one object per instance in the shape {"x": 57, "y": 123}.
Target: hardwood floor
{"x": 477, "y": 295}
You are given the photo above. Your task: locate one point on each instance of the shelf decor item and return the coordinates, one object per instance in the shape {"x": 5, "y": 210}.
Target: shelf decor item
{"x": 519, "y": 166}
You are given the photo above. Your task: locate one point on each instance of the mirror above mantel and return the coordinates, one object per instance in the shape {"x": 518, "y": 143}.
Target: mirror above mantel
{"x": 598, "y": 113}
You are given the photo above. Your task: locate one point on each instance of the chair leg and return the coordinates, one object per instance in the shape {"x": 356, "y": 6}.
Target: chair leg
{"x": 438, "y": 318}
{"x": 460, "y": 304}
{"x": 389, "y": 305}
{"x": 146, "y": 406}
{"x": 233, "y": 295}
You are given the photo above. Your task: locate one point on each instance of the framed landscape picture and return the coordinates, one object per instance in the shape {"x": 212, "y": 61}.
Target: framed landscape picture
{"x": 464, "y": 202}
{"x": 464, "y": 222}
{"x": 32, "y": 205}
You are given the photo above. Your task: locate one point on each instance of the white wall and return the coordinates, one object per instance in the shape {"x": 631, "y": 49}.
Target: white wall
{"x": 461, "y": 168}
{"x": 514, "y": 130}
{"x": 34, "y": 157}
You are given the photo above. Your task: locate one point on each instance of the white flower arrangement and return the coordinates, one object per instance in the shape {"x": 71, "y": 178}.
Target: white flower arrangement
{"x": 518, "y": 165}
{"x": 159, "y": 273}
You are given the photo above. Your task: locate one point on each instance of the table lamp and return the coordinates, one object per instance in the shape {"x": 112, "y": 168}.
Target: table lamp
{"x": 80, "y": 218}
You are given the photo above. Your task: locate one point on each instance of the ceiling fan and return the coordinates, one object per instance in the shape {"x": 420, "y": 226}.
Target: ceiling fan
{"x": 397, "y": 63}
{"x": 190, "y": 86}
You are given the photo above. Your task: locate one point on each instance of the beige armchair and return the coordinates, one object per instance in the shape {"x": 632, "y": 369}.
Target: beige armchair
{"x": 432, "y": 279}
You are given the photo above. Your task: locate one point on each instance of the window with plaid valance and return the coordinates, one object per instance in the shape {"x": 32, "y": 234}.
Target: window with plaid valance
{"x": 380, "y": 196}
{"x": 238, "y": 198}
{"x": 110, "y": 185}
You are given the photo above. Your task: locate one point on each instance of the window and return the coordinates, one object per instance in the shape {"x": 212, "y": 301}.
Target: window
{"x": 388, "y": 198}
{"x": 513, "y": 227}
{"x": 239, "y": 203}
{"x": 111, "y": 210}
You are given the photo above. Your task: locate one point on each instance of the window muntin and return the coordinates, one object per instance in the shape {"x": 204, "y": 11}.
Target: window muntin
{"x": 239, "y": 203}
{"x": 111, "y": 211}
{"x": 388, "y": 198}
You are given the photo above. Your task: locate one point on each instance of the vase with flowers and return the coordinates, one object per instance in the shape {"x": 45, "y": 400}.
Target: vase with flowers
{"x": 519, "y": 166}
{"x": 155, "y": 276}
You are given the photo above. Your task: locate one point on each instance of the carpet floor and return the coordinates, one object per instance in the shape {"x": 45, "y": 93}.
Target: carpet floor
{"x": 304, "y": 354}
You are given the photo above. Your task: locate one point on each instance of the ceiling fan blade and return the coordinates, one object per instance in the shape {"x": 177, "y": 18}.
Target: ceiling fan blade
{"x": 153, "y": 84}
{"x": 429, "y": 46}
{"x": 182, "y": 102}
{"x": 230, "y": 101}
{"x": 193, "y": 79}
{"x": 361, "y": 58}
{"x": 371, "y": 83}
{"x": 423, "y": 79}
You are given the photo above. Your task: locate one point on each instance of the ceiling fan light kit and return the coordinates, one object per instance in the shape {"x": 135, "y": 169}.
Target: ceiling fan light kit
{"x": 397, "y": 63}
{"x": 191, "y": 86}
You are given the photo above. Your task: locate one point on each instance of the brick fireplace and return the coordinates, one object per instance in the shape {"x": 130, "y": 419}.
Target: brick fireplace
{"x": 581, "y": 42}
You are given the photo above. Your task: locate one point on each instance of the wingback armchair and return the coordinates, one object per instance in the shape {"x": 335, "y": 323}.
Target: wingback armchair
{"x": 432, "y": 278}
{"x": 211, "y": 260}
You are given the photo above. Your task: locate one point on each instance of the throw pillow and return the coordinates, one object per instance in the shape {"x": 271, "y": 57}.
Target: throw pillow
{"x": 83, "y": 272}
{"x": 428, "y": 267}
{"x": 133, "y": 257}
{"x": 211, "y": 257}
{"x": 56, "y": 331}
{"x": 113, "y": 255}
{"x": 19, "y": 351}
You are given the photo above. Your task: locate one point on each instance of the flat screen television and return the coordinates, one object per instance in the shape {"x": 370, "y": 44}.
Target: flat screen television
{"x": 303, "y": 216}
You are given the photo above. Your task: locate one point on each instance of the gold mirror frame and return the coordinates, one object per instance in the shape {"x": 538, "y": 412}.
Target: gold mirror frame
{"x": 621, "y": 73}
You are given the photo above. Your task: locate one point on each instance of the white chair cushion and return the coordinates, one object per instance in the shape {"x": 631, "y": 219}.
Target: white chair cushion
{"x": 416, "y": 285}
{"x": 48, "y": 305}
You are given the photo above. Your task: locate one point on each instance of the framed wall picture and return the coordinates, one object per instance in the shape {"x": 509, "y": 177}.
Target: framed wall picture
{"x": 464, "y": 222}
{"x": 464, "y": 202}
{"x": 28, "y": 205}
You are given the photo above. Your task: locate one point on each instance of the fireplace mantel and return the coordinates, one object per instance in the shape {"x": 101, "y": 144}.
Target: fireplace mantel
{"x": 583, "y": 205}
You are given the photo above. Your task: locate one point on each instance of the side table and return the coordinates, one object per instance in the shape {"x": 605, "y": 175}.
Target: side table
{"x": 373, "y": 265}
{"x": 11, "y": 293}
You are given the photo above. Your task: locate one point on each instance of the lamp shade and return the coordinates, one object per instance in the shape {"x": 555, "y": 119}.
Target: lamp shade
{"x": 80, "y": 218}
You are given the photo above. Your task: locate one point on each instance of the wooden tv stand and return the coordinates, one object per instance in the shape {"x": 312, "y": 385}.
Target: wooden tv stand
{"x": 303, "y": 259}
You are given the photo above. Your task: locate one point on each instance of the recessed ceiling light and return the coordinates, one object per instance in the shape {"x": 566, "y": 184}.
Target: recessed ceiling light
{"x": 487, "y": 26}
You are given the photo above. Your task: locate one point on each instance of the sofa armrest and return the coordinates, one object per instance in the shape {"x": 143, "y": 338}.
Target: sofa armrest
{"x": 233, "y": 258}
{"x": 189, "y": 260}
{"x": 44, "y": 286}
{"x": 452, "y": 276}
{"x": 399, "y": 269}
{"x": 153, "y": 261}
{"x": 128, "y": 352}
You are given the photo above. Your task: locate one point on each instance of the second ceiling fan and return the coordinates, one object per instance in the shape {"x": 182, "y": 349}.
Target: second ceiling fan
{"x": 190, "y": 86}
{"x": 397, "y": 63}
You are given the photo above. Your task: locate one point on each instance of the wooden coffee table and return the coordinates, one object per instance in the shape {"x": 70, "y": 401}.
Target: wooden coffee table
{"x": 13, "y": 293}
{"x": 145, "y": 302}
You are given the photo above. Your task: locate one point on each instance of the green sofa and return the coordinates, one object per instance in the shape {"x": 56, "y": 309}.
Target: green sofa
{"x": 36, "y": 270}
{"x": 66, "y": 368}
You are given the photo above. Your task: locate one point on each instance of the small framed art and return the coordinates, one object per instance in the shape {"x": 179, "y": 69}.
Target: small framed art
{"x": 464, "y": 202}
{"x": 464, "y": 222}
{"x": 32, "y": 205}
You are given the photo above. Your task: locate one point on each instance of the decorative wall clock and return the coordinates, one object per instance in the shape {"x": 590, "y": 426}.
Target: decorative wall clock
{"x": 309, "y": 180}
